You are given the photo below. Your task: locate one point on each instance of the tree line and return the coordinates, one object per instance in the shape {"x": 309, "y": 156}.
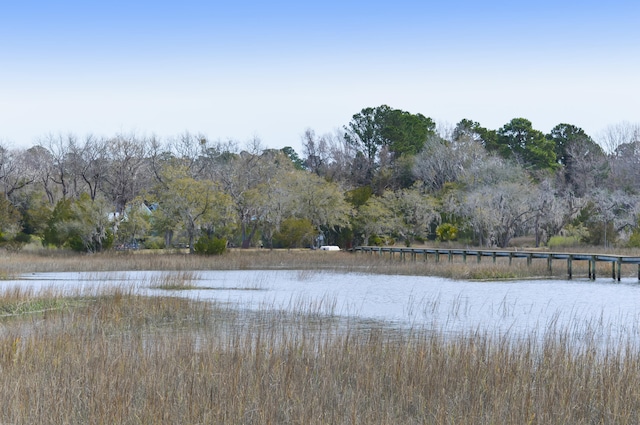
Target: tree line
{"x": 387, "y": 176}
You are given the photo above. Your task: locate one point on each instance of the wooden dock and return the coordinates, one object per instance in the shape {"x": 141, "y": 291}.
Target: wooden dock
{"x": 437, "y": 254}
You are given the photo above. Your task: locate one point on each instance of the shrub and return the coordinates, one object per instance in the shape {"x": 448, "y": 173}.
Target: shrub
{"x": 80, "y": 224}
{"x": 53, "y": 234}
{"x": 207, "y": 245}
{"x": 375, "y": 240}
{"x": 359, "y": 196}
{"x": 22, "y": 238}
{"x": 634, "y": 238}
{"x": 447, "y": 232}
{"x": 154, "y": 242}
{"x": 79, "y": 242}
{"x": 563, "y": 241}
{"x": 294, "y": 233}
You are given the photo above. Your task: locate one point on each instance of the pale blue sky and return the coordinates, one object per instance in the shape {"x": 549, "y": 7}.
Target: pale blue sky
{"x": 243, "y": 69}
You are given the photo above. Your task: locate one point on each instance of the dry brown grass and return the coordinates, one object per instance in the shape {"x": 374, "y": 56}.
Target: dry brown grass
{"x": 115, "y": 357}
{"x": 12, "y": 264}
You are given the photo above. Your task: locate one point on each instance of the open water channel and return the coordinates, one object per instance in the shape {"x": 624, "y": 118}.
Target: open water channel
{"x": 605, "y": 309}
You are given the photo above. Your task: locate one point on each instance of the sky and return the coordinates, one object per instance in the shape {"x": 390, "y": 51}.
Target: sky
{"x": 246, "y": 69}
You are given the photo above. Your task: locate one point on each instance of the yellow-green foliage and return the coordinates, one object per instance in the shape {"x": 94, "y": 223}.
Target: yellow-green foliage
{"x": 556, "y": 242}
{"x": 447, "y": 232}
{"x": 210, "y": 245}
{"x": 295, "y": 233}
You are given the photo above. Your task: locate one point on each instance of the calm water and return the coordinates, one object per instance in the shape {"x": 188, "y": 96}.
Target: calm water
{"x": 514, "y": 307}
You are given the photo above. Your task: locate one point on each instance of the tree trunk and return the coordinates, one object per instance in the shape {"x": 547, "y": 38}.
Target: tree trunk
{"x": 246, "y": 239}
{"x": 168, "y": 237}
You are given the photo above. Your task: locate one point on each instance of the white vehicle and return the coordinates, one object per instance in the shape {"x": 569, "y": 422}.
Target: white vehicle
{"x": 329, "y": 248}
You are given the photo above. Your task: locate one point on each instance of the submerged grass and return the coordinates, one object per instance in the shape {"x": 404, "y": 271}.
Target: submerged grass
{"x": 17, "y": 302}
{"x": 181, "y": 280}
{"x": 111, "y": 356}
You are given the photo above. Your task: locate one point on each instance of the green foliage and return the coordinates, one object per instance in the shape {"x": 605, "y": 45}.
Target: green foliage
{"x": 634, "y": 239}
{"x": 298, "y": 163}
{"x": 601, "y": 234}
{"x": 359, "y": 196}
{"x": 391, "y": 176}
{"x": 447, "y": 232}
{"x": 294, "y": 233}
{"x": 472, "y": 131}
{"x": 82, "y": 225}
{"x": 22, "y": 238}
{"x": 576, "y": 231}
{"x": 517, "y": 139}
{"x": 53, "y": 234}
{"x": 373, "y": 131}
{"x": 191, "y": 204}
{"x": 344, "y": 237}
{"x": 82, "y": 242}
{"x": 597, "y": 228}
{"x": 373, "y": 218}
{"x": 567, "y": 136}
{"x": 584, "y": 161}
{"x": 556, "y": 242}
{"x": 403, "y": 176}
{"x": 9, "y": 219}
{"x": 322, "y": 202}
{"x": 405, "y": 215}
{"x": 135, "y": 224}
{"x": 375, "y": 240}
{"x": 365, "y": 131}
{"x": 35, "y": 212}
{"x": 406, "y": 133}
{"x": 210, "y": 245}
{"x": 90, "y": 229}
{"x": 154, "y": 242}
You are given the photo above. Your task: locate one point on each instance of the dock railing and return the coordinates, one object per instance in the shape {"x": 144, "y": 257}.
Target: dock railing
{"x": 616, "y": 261}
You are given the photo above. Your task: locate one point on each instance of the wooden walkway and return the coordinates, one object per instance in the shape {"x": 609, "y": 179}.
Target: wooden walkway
{"x": 616, "y": 261}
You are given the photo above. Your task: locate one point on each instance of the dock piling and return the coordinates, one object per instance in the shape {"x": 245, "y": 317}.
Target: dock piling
{"x": 616, "y": 261}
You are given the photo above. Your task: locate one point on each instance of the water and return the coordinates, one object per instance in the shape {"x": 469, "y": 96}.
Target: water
{"x": 523, "y": 307}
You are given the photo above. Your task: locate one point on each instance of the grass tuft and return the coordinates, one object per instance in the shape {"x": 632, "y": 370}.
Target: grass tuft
{"x": 174, "y": 281}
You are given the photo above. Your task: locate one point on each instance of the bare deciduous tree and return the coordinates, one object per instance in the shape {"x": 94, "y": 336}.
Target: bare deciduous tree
{"x": 16, "y": 170}
{"x": 128, "y": 173}
{"x": 90, "y": 163}
{"x": 61, "y": 173}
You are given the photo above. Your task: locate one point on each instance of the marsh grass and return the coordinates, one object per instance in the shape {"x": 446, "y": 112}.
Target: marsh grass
{"x": 111, "y": 356}
{"x": 18, "y": 302}
{"x": 185, "y": 280}
{"x": 180, "y": 280}
{"x": 306, "y": 262}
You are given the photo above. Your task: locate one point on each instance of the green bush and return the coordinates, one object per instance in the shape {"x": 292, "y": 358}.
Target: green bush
{"x": 206, "y": 245}
{"x": 563, "y": 241}
{"x": 634, "y": 239}
{"x": 53, "y": 234}
{"x": 294, "y": 233}
{"x": 447, "y": 232}
{"x": 78, "y": 243}
{"x": 375, "y": 240}
{"x": 154, "y": 242}
{"x": 359, "y": 196}
{"x": 80, "y": 224}
{"x": 22, "y": 238}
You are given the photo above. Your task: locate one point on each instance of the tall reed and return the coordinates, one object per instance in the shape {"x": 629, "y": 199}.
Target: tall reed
{"x": 116, "y": 357}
